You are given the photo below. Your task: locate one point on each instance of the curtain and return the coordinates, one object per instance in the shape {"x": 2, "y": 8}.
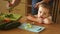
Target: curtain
{"x": 55, "y": 10}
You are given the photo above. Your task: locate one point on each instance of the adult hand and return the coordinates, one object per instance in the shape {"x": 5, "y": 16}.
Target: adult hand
{"x": 37, "y": 4}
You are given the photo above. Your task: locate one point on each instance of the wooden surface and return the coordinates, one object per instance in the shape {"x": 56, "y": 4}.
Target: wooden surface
{"x": 50, "y": 29}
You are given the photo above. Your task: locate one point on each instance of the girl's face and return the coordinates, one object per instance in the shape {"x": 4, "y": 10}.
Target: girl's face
{"x": 44, "y": 12}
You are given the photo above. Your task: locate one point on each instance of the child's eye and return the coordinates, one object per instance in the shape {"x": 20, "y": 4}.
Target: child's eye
{"x": 45, "y": 13}
{"x": 40, "y": 11}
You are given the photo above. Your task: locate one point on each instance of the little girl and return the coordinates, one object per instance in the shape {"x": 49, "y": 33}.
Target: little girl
{"x": 43, "y": 15}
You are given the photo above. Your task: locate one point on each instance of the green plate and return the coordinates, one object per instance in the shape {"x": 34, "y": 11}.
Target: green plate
{"x": 15, "y": 17}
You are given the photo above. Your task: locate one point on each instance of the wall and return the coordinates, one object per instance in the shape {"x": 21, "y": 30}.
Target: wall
{"x": 20, "y": 9}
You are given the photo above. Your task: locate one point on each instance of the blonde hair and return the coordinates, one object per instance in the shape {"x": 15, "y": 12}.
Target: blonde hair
{"x": 45, "y": 6}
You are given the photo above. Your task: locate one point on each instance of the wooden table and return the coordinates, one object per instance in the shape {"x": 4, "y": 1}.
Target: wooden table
{"x": 50, "y": 29}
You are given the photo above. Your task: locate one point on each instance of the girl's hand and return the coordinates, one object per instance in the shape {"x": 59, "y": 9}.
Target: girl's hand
{"x": 40, "y": 20}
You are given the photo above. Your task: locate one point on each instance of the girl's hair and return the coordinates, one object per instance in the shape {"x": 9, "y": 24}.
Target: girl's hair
{"x": 45, "y": 6}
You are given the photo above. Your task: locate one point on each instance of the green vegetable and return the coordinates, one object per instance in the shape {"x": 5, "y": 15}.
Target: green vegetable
{"x": 1, "y": 18}
{"x": 9, "y": 16}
